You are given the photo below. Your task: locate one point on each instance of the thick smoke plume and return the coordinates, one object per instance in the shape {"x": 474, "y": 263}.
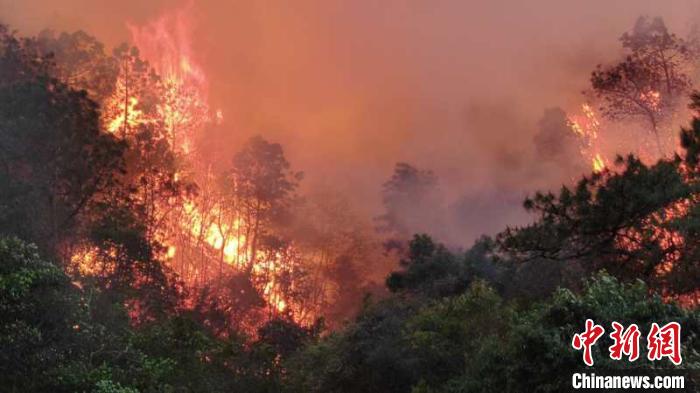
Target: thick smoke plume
{"x": 351, "y": 88}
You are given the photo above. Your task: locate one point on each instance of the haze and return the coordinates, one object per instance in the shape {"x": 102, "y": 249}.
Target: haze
{"x": 350, "y": 88}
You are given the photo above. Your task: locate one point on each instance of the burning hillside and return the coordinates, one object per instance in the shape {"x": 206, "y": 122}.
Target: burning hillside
{"x": 157, "y": 233}
{"x": 222, "y": 231}
{"x": 225, "y": 230}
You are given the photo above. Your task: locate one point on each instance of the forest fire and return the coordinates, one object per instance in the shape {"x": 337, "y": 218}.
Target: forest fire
{"x": 259, "y": 197}
{"x": 165, "y": 43}
{"x": 130, "y": 117}
{"x": 656, "y": 227}
{"x": 210, "y": 227}
{"x": 178, "y": 86}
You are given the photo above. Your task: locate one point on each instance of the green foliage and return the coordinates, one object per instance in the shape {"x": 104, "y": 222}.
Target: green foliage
{"x": 611, "y": 221}
{"x": 38, "y": 312}
{"x": 429, "y": 269}
{"x": 497, "y": 318}
{"x": 50, "y": 340}
{"x": 444, "y": 334}
{"x": 111, "y": 387}
{"x": 536, "y": 354}
{"x": 474, "y": 342}
{"x": 60, "y": 338}
{"x": 371, "y": 355}
{"x": 55, "y": 161}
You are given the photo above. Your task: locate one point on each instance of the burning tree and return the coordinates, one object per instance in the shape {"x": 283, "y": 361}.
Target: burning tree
{"x": 337, "y": 244}
{"x": 262, "y": 185}
{"x": 637, "y": 223}
{"x": 650, "y": 82}
{"x": 167, "y": 210}
{"x": 586, "y": 127}
{"x": 63, "y": 180}
{"x": 555, "y": 143}
{"x": 134, "y": 96}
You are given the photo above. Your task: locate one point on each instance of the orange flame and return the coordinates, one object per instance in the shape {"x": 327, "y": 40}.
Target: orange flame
{"x": 183, "y": 111}
{"x": 166, "y": 44}
{"x": 586, "y": 127}
{"x": 131, "y": 117}
{"x": 598, "y": 164}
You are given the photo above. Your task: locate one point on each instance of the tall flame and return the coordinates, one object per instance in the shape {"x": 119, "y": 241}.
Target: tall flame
{"x": 166, "y": 43}
{"x": 183, "y": 111}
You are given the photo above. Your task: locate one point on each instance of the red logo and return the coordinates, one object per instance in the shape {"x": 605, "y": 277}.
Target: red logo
{"x": 626, "y": 342}
{"x": 662, "y": 342}
{"x": 665, "y": 342}
{"x": 587, "y": 339}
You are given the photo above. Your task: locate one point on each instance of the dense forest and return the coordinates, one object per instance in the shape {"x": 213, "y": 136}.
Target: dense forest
{"x": 136, "y": 257}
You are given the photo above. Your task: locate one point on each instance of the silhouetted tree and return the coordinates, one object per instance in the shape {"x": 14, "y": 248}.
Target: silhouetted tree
{"x": 55, "y": 162}
{"x": 411, "y": 202}
{"x": 81, "y": 62}
{"x": 652, "y": 79}
{"x": 614, "y": 221}
{"x": 263, "y": 186}
{"x": 135, "y": 94}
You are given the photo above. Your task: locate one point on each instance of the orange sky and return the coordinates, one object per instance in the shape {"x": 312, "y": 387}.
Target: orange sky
{"x": 351, "y": 87}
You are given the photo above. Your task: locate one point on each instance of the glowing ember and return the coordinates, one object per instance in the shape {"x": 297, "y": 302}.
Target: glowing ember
{"x": 131, "y": 117}
{"x": 83, "y": 262}
{"x": 669, "y": 240}
{"x": 91, "y": 261}
{"x": 652, "y": 99}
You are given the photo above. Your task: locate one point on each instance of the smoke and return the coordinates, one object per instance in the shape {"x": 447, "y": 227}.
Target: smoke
{"x": 351, "y": 88}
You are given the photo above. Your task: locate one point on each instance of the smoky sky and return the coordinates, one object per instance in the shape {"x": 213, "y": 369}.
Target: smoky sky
{"x": 351, "y": 87}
